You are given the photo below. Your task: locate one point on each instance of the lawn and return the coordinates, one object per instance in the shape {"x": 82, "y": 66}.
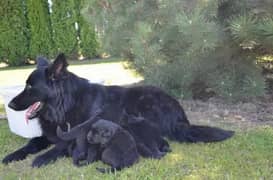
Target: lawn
{"x": 247, "y": 155}
{"x": 112, "y": 71}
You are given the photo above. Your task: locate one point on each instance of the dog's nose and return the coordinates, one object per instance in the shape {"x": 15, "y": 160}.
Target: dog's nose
{"x": 12, "y": 105}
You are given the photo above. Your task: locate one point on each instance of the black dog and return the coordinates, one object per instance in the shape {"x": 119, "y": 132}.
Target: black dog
{"x": 81, "y": 151}
{"x": 116, "y": 146}
{"x": 147, "y": 136}
{"x": 57, "y": 97}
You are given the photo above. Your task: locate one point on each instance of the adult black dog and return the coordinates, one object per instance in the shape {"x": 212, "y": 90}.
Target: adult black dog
{"x": 57, "y": 96}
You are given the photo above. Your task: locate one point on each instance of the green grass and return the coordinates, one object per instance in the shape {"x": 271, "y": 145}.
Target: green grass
{"x": 248, "y": 155}
{"x": 111, "y": 70}
{"x": 2, "y": 110}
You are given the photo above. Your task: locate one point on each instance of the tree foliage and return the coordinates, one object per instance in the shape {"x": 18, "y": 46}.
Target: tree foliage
{"x": 88, "y": 39}
{"x": 88, "y": 42}
{"x": 14, "y": 32}
{"x": 64, "y": 18}
{"x": 41, "y": 42}
{"x": 188, "y": 46}
{"x": 30, "y": 28}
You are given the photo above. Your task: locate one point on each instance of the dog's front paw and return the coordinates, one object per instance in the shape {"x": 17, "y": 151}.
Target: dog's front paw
{"x": 16, "y": 156}
{"x": 41, "y": 160}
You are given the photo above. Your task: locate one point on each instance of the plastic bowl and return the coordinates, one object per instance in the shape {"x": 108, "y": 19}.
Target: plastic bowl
{"x": 16, "y": 119}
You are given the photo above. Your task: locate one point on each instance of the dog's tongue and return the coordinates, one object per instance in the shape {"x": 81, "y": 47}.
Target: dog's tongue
{"x": 31, "y": 110}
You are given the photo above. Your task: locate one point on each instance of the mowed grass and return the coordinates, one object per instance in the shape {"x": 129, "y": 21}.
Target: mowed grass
{"x": 111, "y": 71}
{"x": 247, "y": 155}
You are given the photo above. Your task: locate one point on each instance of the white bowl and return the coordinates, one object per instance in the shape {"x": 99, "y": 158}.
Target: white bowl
{"x": 16, "y": 119}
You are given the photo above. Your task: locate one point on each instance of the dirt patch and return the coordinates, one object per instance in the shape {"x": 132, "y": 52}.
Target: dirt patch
{"x": 243, "y": 115}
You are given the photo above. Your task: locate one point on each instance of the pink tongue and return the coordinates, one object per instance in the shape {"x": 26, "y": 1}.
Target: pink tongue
{"x": 32, "y": 108}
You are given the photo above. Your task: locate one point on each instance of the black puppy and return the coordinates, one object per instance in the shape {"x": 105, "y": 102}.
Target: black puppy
{"x": 147, "y": 136}
{"x": 116, "y": 146}
{"x": 78, "y": 150}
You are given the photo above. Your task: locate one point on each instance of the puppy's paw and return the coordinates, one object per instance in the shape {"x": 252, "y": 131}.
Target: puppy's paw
{"x": 159, "y": 155}
{"x": 16, "y": 156}
{"x": 166, "y": 149}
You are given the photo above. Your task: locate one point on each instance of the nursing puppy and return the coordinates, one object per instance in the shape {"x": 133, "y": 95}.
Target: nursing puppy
{"x": 80, "y": 151}
{"x": 147, "y": 136}
{"x": 116, "y": 147}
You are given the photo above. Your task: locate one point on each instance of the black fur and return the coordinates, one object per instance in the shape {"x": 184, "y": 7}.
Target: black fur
{"x": 116, "y": 146}
{"x": 149, "y": 141}
{"x": 67, "y": 98}
{"x": 80, "y": 151}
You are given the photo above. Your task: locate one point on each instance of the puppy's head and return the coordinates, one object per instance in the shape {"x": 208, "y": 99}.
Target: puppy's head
{"x": 102, "y": 132}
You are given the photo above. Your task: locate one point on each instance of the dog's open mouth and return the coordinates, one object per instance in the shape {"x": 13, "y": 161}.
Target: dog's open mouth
{"x": 33, "y": 110}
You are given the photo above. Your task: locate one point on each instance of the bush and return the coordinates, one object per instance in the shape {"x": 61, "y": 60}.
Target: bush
{"x": 41, "y": 42}
{"x": 88, "y": 42}
{"x": 63, "y": 18}
{"x": 14, "y": 33}
{"x": 178, "y": 45}
{"x": 29, "y": 29}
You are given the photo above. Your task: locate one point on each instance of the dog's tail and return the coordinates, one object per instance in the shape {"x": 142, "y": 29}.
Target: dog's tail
{"x": 195, "y": 133}
{"x": 79, "y": 129}
{"x": 67, "y": 136}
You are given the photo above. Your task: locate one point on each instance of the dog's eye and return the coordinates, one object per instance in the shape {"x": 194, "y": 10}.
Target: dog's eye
{"x": 28, "y": 86}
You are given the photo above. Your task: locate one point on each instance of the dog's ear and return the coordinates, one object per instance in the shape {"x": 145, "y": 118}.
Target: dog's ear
{"x": 58, "y": 67}
{"x": 41, "y": 62}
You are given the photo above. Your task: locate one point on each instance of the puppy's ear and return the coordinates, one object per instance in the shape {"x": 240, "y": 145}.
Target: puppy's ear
{"x": 41, "y": 62}
{"x": 58, "y": 67}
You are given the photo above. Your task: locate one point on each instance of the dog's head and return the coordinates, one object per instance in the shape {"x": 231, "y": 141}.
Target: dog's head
{"x": 38, "y": 86}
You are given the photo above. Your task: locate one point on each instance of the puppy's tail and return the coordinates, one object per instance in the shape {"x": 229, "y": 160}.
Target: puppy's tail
{"x": 195, "y": 133}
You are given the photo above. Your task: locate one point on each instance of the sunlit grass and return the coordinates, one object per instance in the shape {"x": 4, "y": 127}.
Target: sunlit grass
{"x": 248, "y": 155}
{"x": 266, "y": 58}
{"x": 111, "y": 71}
{"x": 2, "y": 110}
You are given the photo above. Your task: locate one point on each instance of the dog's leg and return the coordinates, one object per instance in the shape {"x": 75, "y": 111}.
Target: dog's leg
{"x": 157, "y": 154}
{"x": 78, "y": 157}
{"x": 144, "y": 150}
{"x": 164, "y": 145}
{"x": 59, "y": 150}
{"x": 93, "y": 154}
{"x": 33, "y": 146}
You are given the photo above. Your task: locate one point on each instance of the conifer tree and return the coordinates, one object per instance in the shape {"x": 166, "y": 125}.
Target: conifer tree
{"x": 185, "y": 45}
{"x": 63, "y": 19}
{"x": 88, "y": 43}
{"x": 40, "y": 28}
{"x": 14, "y": 32}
